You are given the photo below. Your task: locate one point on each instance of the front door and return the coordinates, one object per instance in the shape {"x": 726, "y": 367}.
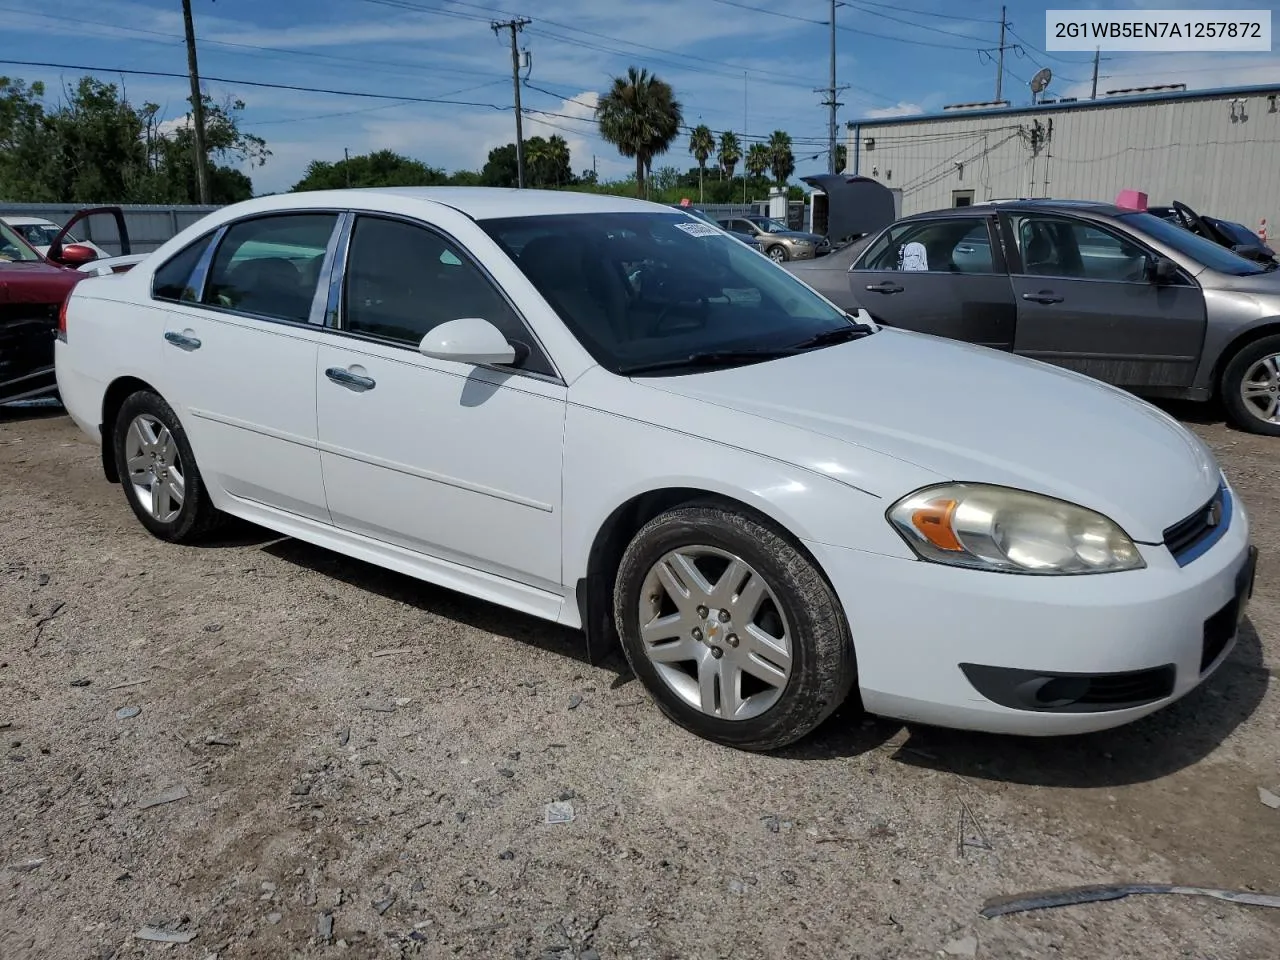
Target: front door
{"x": 243, "y": 345}
{"x": 457, "y": 462}
{"x": 945, "y": 277}
{"x": 1086, "y": 301}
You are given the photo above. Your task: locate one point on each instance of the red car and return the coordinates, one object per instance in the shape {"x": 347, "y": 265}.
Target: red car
{"x": 33, "y": 289}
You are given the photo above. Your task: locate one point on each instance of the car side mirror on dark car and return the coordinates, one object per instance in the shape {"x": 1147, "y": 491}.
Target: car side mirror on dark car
{"x": 1161, "y": 270}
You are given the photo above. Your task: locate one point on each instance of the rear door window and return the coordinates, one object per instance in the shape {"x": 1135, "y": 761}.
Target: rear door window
{"x": 270, "y": 266}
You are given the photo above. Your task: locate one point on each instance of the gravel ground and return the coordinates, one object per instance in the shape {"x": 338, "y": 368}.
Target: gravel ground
{"x": 279, "y": 752}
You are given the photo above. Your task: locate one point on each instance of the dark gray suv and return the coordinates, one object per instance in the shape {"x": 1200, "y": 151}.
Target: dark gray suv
{"x": 1122, "y": 296}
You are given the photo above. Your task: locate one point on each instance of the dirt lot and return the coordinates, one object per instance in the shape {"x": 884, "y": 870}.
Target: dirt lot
{"x": 355, "y": 748}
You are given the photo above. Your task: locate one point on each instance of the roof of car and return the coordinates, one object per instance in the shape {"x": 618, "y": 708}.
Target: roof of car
{"x": 1062, "y": 206}
{"x": 25, "y": 221}
{"x": 480, "y": 203}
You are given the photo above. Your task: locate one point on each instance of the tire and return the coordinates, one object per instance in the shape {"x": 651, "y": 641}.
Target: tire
{"x": 1258, "y": 366}
{"x": 179, "y": 518}
{"x": 778, "y": 253}
{"x": 780, "y": 698}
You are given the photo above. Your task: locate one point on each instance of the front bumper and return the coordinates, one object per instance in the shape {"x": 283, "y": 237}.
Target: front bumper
{"x": 1008, "y": 653}
{"x": 801, "y": 253}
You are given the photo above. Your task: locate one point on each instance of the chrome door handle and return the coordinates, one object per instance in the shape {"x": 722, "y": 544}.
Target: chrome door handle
{"x": 349, "y": 379}
{"x": 1043, "y": 297}
{"x": 888, "y": 286}
{"x": 182, "y": 340}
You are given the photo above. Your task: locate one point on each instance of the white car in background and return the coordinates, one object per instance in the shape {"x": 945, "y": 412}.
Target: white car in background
{"x": 40, "y": 233}
{"x": 610, "y": 415}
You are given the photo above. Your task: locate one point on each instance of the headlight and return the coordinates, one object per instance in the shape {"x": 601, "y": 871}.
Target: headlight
{"x": 1012, "y": 531}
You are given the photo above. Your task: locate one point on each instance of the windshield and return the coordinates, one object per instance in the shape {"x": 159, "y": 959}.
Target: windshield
{"x": 42, "y": 234}
{"x": 770, "y": 225}
{"x": 1212, "y": 255}
{"x": 13, "y": 249}
{"x": 654, "y": 289}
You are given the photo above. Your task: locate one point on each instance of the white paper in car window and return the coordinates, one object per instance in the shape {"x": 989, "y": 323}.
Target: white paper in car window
{"x": 695, "y": 229}
{"x": 914, "y": 258}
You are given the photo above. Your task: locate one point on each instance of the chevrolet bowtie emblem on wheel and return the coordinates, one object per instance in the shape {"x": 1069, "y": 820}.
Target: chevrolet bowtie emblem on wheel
{"x": 1215, "y": 514}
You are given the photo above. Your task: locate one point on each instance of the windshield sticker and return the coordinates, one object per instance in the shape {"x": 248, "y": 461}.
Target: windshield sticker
{"x": 695, "y": 229}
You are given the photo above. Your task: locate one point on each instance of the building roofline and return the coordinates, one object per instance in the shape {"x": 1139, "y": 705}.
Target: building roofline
{"x": 1101, "y": 102}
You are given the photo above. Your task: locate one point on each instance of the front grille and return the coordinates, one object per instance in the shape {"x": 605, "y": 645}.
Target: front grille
{"x": 1187, "y": 538}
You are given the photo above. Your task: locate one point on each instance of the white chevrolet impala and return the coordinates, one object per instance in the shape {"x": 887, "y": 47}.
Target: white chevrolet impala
{"x": 611, "y": 415}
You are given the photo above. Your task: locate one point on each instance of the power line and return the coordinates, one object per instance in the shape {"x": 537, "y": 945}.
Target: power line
{"x": 253, "y": 83}
{"x": 911, "y": 23}
{"x": 772, "y": 13}
{"x": 927, "y": 13}
{"x": 256, "y": 48}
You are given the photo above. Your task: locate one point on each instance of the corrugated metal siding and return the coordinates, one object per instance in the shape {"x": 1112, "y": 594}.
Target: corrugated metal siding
{"x": 149, "y": 225}
{"x": 1188, "y": 150}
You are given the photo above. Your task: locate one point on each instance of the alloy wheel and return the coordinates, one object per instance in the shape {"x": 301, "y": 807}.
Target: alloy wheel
{"x": 155, "y": 467}
{"x": 777, "y": 254}
{"x": 715, "y": 633}
{"x": 1260, "y": 389}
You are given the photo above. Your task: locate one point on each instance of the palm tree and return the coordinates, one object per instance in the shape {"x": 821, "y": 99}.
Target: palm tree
{"x": 702, "y": 143}
{"x": 536, "y": 160}
{"x": 641, "y": 117}
{"x": 558, "y": 155}
{"x": 781, "y": 160}
{"x": 730, "y": 153}
{"x": 758, "y": 160}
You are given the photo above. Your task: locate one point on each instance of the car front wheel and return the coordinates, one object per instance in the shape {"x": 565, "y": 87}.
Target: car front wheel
{"x": 731, "y": 628}
{"x": 1251, "y": 387}
{"x": 778, "y": 254}
{"x": 158, "y": 470}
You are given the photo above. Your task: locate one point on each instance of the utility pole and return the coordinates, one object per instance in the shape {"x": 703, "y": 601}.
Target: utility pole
{"x": 515, "y": 26}
{"x": 197, "y": 105}
{"x": 831, "y": 91}
{"x": 1000, "y": 67}
{"x": 346, "y": 164}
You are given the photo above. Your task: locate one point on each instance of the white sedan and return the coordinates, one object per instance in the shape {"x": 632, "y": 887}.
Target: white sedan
{"x": 40, "y": 233}
{"x": 613, "y": 416}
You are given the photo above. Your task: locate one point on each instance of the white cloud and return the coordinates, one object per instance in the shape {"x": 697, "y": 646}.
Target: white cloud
{"x": 900, "y": 109}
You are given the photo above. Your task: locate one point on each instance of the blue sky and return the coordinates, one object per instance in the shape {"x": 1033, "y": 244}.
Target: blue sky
{"x": 897, "y": 58}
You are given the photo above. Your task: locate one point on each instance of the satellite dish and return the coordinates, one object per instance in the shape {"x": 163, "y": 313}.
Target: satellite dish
{"x": 1041, "y": 80}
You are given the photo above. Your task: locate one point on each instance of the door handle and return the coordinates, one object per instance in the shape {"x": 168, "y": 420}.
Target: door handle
{"x": 888, "y": 286}
{"x": 1044, "y": 296}
{"x": 182, "y": 340}
{"x": 349, "y": 379}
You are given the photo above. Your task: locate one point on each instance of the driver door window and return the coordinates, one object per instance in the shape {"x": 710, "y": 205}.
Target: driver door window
{"x": 403, "y": 281}
{"x": 1075, "y": 250}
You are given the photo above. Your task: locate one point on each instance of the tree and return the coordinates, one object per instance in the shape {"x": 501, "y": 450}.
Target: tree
{"x": 702, "y": 143}
{"x": 547, "y": 162}
{"x": 758, "y": 160}
{"x": 781, "y": 160}
{"x": 641, "y": 117}
{"x": 97, "y": 147}
{"x": 842, "y": 157}
{"x": 383, "y": 168}
{"x": 730, "y": 153}
{"x": 500, "y": 169}
{"x": 560, "y": 159}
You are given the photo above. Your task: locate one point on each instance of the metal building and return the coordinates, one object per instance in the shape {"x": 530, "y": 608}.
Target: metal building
{"x": 1215, "y": 150}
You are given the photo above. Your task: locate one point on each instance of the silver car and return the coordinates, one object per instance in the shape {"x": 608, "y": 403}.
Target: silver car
{"x": 778, "y": 241}
{"x": 1119, "y": 295}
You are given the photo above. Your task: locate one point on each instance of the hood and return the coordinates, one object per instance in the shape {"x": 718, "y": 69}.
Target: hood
{"x": 36, "y": 282}
{"x": 969, "y": 413}
{"x": 1266, "y": 284}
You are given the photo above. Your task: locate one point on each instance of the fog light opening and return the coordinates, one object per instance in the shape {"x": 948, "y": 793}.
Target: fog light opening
{"x": 1061, "y": 691}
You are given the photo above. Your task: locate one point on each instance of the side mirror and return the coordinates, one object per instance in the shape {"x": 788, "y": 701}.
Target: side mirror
{"x": 1162, "y": 270}
{"x": 74, "y": 255}
{"x": 469, "y": 340}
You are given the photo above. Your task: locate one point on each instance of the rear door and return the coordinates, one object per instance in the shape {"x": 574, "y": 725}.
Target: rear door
{"x": 945, "y": 277}
{"x": 1086, "y": 301}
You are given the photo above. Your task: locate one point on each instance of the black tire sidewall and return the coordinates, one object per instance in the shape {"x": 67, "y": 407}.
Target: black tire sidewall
{"x": 195, "y": 511}
{"x": 822, "y": 668}
{"x": 1232, "y": 376}
{"x": 779, "y": 248}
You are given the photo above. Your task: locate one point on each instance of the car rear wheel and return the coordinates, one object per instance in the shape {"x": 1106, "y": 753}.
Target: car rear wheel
{"x": 1251, "y": 387}
{"x": 731, "y": 628}
{"x": 158, "y": 471}
{"x": 778, "y": 254}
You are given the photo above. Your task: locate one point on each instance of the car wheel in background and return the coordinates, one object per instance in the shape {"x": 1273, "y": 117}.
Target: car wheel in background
{"x": 1251, "y": 387}
{"x": 778, "y": 253}
{"x": 735, "y": 633}
{"x": 158, "y": 470}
